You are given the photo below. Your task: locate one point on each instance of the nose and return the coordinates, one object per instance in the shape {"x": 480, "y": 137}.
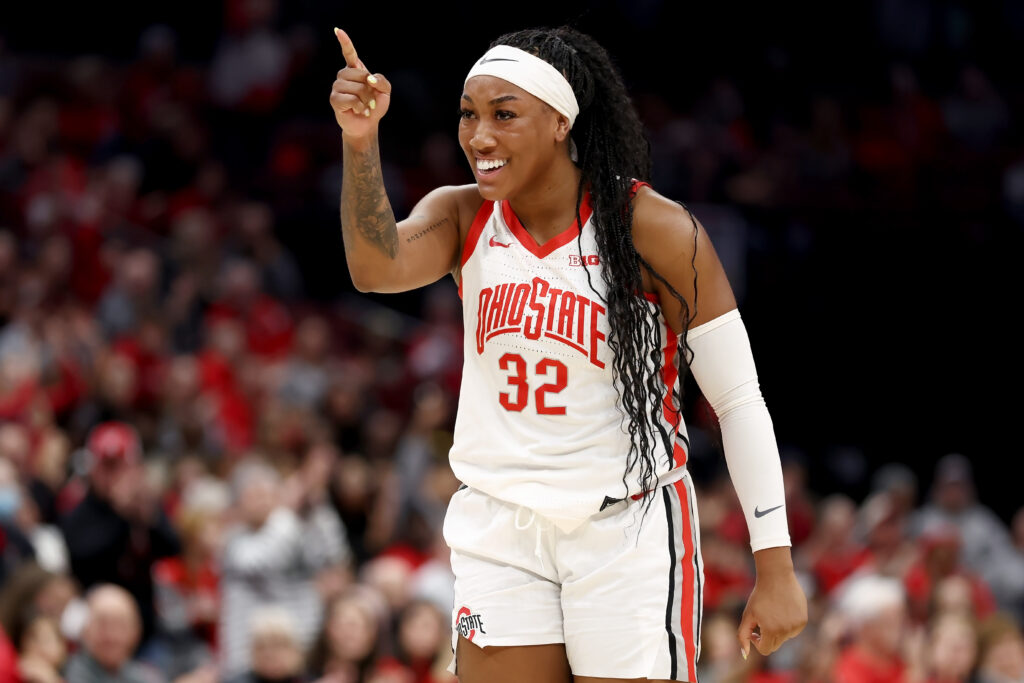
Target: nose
{"x": 482, "y": 139}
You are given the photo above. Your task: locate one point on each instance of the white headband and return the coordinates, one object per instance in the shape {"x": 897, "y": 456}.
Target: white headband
{"x": 530, "y": 73}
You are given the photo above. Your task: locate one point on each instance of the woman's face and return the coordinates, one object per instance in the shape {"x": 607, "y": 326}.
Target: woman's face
{"x": 275, "y": 655}
{"x": 509, "y": 136}
{"x": 351, "y": 631}
{"x": 421, "y": 631}
{"x": 953, "y": 649}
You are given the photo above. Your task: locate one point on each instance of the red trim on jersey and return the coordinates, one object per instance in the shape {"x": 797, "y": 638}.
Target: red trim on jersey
{"x": 670, "y": 374}
{"x": 637, "y": 184}
{"x": 473, "y": 236}
{"x": 559, "y": 240}
{"x": 688, "y": 564}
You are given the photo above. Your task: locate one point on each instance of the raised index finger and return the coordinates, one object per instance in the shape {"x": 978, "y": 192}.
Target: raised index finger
{"x": 347, "y": 48}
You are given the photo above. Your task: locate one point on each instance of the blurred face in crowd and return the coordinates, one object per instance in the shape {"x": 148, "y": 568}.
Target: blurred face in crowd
{"x": 14, "y": 444}
{"x": 52, "y": 458}
{"x": 352, "y": 482}
{"x": 10, "y": 491}
{"x": 352, "y": 629}
{"x": 953, "y": 647}
{"x": 258, "y": 498}
{"x": 275, "y": 654}
{"x": 112, "y": 630}
{"x": 883, "y": 634}
{"x": 313, "y": 339}
{"x": 421, "y": 631}
{"x": 942, "y": 555}
{"x": 1005, "y": 657}
{"x": 954, "y": 494}
{"x": 718, "y": 636}
{"x": 953, "y": 595}
{"x": 140, "y": 272}
{"x": 114, "y": 477}
{"x": 392, "y": 577}
{"x": 54, "y": 596}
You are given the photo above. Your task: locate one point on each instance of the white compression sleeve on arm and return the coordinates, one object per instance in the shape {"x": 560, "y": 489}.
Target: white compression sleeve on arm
{"x": 723, "y": 366}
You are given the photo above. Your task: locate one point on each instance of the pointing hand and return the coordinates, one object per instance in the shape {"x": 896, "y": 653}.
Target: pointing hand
{"x": 359, "y": 99}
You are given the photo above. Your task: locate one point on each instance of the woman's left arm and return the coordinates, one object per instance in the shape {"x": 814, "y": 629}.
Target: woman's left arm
{"x": 671, "y": 240}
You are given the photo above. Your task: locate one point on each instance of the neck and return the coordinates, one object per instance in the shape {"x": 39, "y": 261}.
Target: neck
{"x": 548, "y": 206}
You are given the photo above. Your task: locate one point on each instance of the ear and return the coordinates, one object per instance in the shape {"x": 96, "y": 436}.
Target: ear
{"x": 561, "y": 127}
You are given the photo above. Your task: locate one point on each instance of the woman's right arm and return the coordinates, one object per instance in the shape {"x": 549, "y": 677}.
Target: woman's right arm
{"x": 385, "y": 255}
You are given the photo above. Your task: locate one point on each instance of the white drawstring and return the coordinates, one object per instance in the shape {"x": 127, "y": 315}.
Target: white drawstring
{"x": 533, "y": 517}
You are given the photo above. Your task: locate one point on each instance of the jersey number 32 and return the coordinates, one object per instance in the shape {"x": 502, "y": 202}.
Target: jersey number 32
{"x": 517, "y": 380}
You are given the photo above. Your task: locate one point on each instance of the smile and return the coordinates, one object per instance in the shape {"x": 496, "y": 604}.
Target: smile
{"x": 490, "y": 165}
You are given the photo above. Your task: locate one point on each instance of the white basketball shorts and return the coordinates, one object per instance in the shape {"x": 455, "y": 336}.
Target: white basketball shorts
{"x": 624, "y": 596}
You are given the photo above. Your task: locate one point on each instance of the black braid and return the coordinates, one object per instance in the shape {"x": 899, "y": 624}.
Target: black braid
{"x": 612, "y": 151}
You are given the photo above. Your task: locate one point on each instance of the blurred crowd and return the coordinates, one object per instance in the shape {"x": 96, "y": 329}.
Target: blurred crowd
{"x": 215, "y": 467}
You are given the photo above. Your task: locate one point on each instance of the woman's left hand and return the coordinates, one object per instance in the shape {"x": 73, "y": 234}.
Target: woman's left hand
{"x": 777, "y": 608}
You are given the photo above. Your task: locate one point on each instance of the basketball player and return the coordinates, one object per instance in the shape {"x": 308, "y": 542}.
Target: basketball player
{"x": 575, "y": 539}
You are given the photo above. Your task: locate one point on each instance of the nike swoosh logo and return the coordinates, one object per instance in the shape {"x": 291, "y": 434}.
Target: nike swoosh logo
{"x": 761, "y": 513}
{"x": 498, "y": 244}
{"x": 497, "y": 59}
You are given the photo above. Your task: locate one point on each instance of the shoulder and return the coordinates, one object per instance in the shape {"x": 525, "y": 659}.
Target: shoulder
{"x": 661, "y": 225}
{"x": 463, "y": 199}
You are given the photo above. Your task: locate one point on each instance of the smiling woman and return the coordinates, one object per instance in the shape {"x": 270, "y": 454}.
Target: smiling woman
{"x": 580, "y": 298}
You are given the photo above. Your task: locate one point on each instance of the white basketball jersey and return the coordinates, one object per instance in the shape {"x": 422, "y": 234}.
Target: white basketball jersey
{"x": 538, "y": 422}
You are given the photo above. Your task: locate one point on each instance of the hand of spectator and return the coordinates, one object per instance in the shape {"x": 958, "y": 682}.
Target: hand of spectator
{"x": 35, "y": 670}
{"x": 331, "y": 581}
{"x": 915, "y": 654}
{"x": 316, "y": 474}
{"x": 294, "y": 491}
{"x": 777, "y": 608}
{"x": 359, "y": 99}
{"x": 203, "y": 608}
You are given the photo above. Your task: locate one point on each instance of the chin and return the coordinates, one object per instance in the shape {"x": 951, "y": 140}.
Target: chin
{"x": 490, "y": 193}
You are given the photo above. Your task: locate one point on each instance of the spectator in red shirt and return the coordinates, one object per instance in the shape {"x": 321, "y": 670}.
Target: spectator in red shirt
{"x": 874, "y": 608}
{"x": 832, "y": 552}
{"x": 939, "y": 559}
{"x": 187, "y": 592}
{"x": 8, "y": 658}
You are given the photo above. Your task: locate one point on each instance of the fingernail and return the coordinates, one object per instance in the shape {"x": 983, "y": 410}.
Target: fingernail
{"x": 336, "y": 30}
{"x": 373, "y": 104}
{"x": 366, "y": 112}
{"x": 744, "y": 654}
{"x": 371, "y": 79}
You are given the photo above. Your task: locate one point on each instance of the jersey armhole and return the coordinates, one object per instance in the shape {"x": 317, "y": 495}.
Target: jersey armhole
{"x": 473, "y": 236}
{"x": 637, "y": 184}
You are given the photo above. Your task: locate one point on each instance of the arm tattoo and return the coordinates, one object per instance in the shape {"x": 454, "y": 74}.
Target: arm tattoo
{"x": 364, "y": 202}
{"x": 430, "y": 228}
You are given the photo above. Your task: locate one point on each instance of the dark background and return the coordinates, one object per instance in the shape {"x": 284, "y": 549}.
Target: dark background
{"x": 880, "y": 302}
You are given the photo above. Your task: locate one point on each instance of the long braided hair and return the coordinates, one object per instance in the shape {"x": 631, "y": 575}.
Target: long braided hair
{"x": 612, "y": 151}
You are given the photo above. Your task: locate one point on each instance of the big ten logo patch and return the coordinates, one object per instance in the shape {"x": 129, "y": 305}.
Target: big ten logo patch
{"x": 467, "y": 623}
{"x": 589, "y": 259}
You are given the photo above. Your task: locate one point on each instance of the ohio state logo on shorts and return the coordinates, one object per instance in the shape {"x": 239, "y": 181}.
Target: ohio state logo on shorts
{"x": 467, "y": 623}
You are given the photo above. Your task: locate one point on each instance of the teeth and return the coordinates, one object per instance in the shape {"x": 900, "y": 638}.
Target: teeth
{"x": 489, "y": 164}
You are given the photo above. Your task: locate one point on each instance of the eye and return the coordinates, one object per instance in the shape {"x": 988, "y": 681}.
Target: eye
{"x": 465, "y": 113}
{"x": 504, "y": 115}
